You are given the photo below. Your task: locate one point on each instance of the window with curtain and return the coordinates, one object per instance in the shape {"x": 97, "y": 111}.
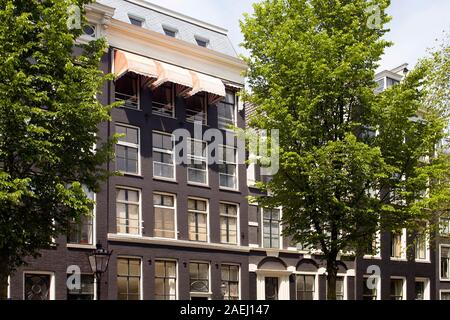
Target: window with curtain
{"x": 198, "y": 220}
{"x": 164, "y": 209}
{"x": 305, "y": 286}
{"x": 165, "y": 280}
{"x": 228, "y": 223}
{"x": 128, "y": 279}
{"x": 127, "y": 211}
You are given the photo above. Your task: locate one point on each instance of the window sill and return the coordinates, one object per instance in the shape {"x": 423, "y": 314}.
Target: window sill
{"x": 165, "y": 179}
{"x": 398, "y": 259}
{"x": 444, "y": 280}
{"x": 229, "y": 189}
{"x": 80, "y": 246}
{"x": 422, "y": 261}
{"x": 199, "y": 185}
{"x": 370, "y": 257}
{"x": 134, "y": 175}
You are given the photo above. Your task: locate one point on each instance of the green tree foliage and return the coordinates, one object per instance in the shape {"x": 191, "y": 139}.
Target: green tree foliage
{"x": 48, "y": 123}
{"x": 351, "y": 162}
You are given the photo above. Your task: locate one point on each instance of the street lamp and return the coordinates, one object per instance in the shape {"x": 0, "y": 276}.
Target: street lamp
{"x": 99, "y": 259}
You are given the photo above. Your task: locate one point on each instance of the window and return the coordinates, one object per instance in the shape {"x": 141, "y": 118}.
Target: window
{"x": 196, "y": 108}
{"x": 127, "y": 150}
{"x": 199, "y": 277}
{"x": 230, "y": 282}
{"x": 86, "y": 290}
{"x": 421, "y": 247}
{"x": 370, "y": 289}
{"x": 226, "y": 110}
{"x": 90, "y": 30}
{"x": 397, "y": 245}
{"x": 165, "y": 280}
{"x": 271, "y": 228}
{"x": 445, "y": 295}
{"x": 163, "y": 162}
{"x": 305, "y": 286}
{"x": 82, "y": 231}
{"x": 127, "y": 90}
{"x": 373, "y": 246}
{"x": 198, "y": 220}
{"x": 445, "y": 227}
{"x": 163, "y": 100}
{"x": 202, "y": 42}
{"x": 380, "y": 86}
{"x": 128, "y": 211}
{"x": 197, "y": 167}
{"x": 38, "y": 286}
{"x": 171, "y": 32}
{"x": 396, "y": 289}
{"x": 421, "y": 289}
{"x": 164, "y": 208}
{"x": 445, "y": 262}
{"x": 128, "y": 279}
{"x": 391, "y": 82}
{"x": 136, "y": 21}
{"x": 228, "y": 223}
{"x": 227, "y": 167}
{"x": 340, "y": 288}
{"x": 271, "y": 288}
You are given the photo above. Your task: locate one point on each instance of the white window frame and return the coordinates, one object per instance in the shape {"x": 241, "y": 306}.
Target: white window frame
{"x": 440, "y": 264}
{"x": 239, "y": 276}
{"x": 426, "y": 281}
{"x": 141, "y": 277}
{"x": 316, "y": 282}
{"x": 236, "y": 187}
{"x": 138, "y": 95}
{"x": 204, "y": 159}
{"x": 131, "y": 145}
{"x": 238, "y": 225}
{"x": 51, "y": 295}
{"x": 427, "y": 250}
{"x": 403, "y": 247}
{"x": 172, "y": 153}
{"x": 8, "y": 292}
{"x": 236, "y": 102}
{"x": 94, "y": 229}
{"x": 280, "y": 244}
{"x": 378, "y": 247}
{"x": 443, "y": 291}
{"x": 201, "y": 294}
{"x": 378, "y": 284}
{"x": 404, "y": 297}
{"x": 176, "y": 274}
{"x": 140, "y": 222}
{"x": 208, "y": 240}
{"x": 174, "y": 212}
{"x": 441, "y": 231}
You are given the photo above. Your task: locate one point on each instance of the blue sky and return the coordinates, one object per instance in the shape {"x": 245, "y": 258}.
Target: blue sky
{"x": 415, "y": 26}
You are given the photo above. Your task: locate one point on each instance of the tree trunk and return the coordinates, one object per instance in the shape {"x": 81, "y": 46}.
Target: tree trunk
{"x": 4, "y": 273}
{"x": 331, "y": 279}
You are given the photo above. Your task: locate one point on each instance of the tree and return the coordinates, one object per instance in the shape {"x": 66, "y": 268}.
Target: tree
{"x": 48, "y": 123}
{"x": 350, "y": 161}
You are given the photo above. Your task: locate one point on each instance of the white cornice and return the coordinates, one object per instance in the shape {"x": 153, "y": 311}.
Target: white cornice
{"x": 160, "y": 47}
{"x": 175, "y": 243}
{"x": 178, "y": 15}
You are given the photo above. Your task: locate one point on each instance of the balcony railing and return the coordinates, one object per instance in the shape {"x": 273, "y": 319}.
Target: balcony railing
{"x": 129, "y": 101}
{"x": 195, "y": 116}
{"x": 162, "y": 109}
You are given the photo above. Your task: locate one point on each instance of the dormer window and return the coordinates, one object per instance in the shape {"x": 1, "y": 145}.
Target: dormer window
{"x": 136, "y": 21}
{"x": 202, "y": 42}
{"x": 169, "y": 31}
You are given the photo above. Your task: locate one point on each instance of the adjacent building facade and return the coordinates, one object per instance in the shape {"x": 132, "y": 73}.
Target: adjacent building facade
{"x": 187, "y": 231}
